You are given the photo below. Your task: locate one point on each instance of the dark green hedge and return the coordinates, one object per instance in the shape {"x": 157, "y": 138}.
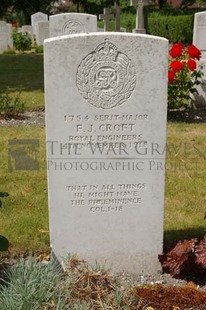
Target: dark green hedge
{"x": 174, "y": 28}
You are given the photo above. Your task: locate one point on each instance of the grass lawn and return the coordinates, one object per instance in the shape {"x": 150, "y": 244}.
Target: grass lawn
{"x": 24, "y": 215}
{"x": 185, "y": 181}
{"x": 23, "y": 73}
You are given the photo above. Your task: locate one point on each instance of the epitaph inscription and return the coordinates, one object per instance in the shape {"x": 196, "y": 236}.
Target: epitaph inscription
{"x": 106, "y": 197}
{"x": 106, "y": 77}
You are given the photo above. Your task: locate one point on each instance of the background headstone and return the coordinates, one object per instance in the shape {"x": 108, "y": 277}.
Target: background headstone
{"x": 42, "y": 32}
{"x": 9, "y": 36}
{"x": 28, "y": 29}
{"x": 107, "y": 16}
{"x": 199, "y": 34}
{"x": 117, "y": 15}
{"x": 140, "y": 17}
{"x": 36, "y": 18}
{"x": 3, "y": 36}
{"x": 72, "y": 23}
{"x": 106, "y": 106}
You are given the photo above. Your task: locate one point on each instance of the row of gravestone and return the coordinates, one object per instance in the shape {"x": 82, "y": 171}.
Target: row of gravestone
{"x": 60, "y": 24}
{"x": 73, "y": 23}
{"x": 42, "y": 29}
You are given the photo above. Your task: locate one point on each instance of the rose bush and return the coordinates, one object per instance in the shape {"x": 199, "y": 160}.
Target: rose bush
{"x": 183, "y": 75}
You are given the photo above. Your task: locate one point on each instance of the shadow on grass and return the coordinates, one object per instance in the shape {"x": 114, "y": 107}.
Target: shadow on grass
{"x": 171, "y": 237}
{"x": 187, "y": 116}
{"x": 21, "y": 72}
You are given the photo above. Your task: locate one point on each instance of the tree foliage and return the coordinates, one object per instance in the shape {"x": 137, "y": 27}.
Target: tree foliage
{"x": 26, "y": 7}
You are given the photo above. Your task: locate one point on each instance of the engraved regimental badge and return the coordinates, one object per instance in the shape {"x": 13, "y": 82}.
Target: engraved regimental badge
{"x": 106, "y": 77}
{"x": 72, "y": 27}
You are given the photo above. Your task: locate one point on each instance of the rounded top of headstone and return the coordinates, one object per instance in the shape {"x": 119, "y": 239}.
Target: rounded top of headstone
{"x": 72, "y": 15}
{"x": 103, "y": 34}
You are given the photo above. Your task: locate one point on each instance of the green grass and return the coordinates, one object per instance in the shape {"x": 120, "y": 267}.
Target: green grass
{"x": 23, "y": 73}
{"x": 24, "y": 215}
{"x": 185, "y": 181}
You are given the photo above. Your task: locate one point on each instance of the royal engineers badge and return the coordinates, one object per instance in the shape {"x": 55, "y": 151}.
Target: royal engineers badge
{"x": 106, "y": 77}
{"x": 72, "y": 27}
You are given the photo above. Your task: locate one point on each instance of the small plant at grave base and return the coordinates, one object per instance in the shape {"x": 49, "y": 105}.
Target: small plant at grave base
{"x": 22, "y": 41}
{"x": 4, "y": 243}
{"x": 39, "y": 49}
{"x": 9, "y": 52}
{"x": 11, "y": 107}
{"x": 183, "y": 75}
{"x": 32, "y": 285}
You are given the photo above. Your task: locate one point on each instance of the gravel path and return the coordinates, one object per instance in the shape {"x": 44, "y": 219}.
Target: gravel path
{"x": 36, "y": 118}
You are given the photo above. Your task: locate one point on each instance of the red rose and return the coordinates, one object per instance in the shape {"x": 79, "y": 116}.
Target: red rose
{"x": 176, "y": 50}
{"x": 191, "y": 64}
{"x": 176, "y": 65}
{"x": 171, "y": 75}
{"x": 193, "y": 52}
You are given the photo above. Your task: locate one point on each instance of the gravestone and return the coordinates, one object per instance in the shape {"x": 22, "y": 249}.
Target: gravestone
{"x": 106, "y": 105}
{"x": 3, "y": 36}
{"x": 107, "y": 16}
{"x": 199, "y": 33}
{"x": 36, "y": 18}
{"x": 140, "y": 18}
{"x": 42, "y": 32}
{"x": 117, "y": 15}
{"x": 9, "y": 36}
{"x": 72, "y": 23}
{"x": 29, "y": 30}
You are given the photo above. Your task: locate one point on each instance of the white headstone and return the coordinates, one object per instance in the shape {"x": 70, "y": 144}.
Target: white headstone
{"x": 3, "y": 36}
{"x": 42, "y": 32}
{"x": 72, "y": 23}
{"x": 199, "y": 34}
{"x": 106, "y": 105}
{"x": 29, "y": 30}
{"x": 9, "y": 36}
{"x": 36, "y": 18}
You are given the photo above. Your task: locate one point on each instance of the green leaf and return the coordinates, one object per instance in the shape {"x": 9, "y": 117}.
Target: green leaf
{"x": 4, "y": 243}
{"x": 0, "y": 203}
{"x": 4, "y": 194}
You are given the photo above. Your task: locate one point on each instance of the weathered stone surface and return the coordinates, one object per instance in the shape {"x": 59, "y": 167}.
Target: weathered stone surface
{"x": 36, "y": 18}
{"x": 72, "y": 23}
{"x": 42, "y": 32}
{"x": 199, "y": 33}
{"x": 106, "y": 103}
